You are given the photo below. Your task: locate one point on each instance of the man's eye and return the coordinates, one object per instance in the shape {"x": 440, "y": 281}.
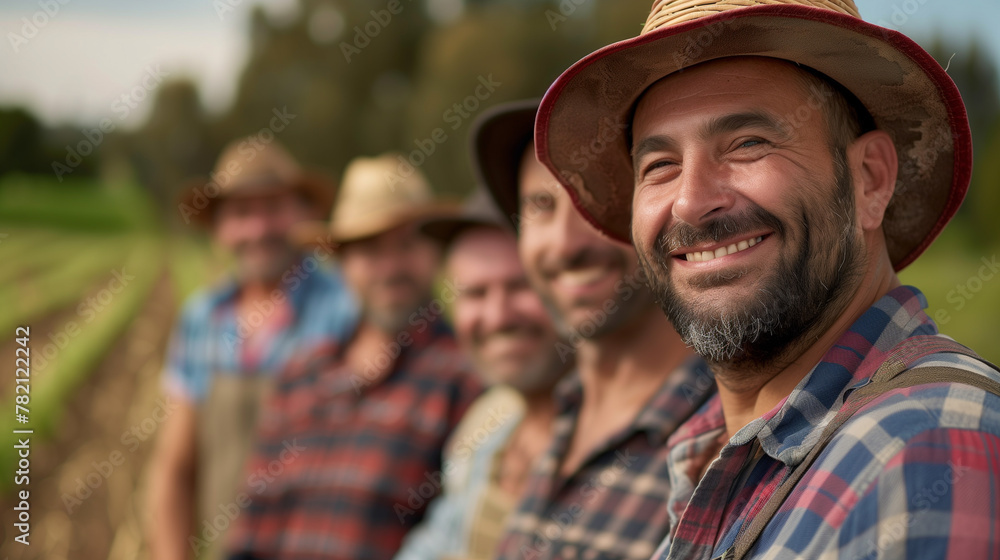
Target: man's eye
{"x": 751, "y": 143}
{"x": 543, "y": 202}
{"x": 657, "y": 166}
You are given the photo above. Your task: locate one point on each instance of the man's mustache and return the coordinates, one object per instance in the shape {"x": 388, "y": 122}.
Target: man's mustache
{"x": 725, "y": 227}
{"x": 270, "y": 242}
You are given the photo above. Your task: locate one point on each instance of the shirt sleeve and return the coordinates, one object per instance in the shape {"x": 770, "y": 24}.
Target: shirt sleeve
{"x": 938, "y": 498}
{"x": 184, "y": 375}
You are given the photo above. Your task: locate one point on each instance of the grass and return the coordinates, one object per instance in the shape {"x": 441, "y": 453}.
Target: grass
{"x": 70, "y": 368}
{"x": 66, "y": 276}
{"x": 951, "y": 265}
{"x": 75, "y": 204}
{"x": 59, "y": 243}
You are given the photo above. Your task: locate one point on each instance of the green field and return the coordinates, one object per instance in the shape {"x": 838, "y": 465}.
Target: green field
{"x": 79, "y": 262}
{"x": 963, "y": 292}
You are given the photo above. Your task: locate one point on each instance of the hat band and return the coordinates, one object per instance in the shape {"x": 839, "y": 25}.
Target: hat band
{"x": 676, "y": 12}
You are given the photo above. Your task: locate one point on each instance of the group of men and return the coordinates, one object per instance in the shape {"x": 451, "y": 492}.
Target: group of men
{"x": 688, "y": 343}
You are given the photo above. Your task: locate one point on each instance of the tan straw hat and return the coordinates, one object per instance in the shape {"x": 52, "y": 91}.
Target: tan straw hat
{"x": 376, "y": 195}
{"x": 583, "y": 125}
{"x": 250, "y": 167}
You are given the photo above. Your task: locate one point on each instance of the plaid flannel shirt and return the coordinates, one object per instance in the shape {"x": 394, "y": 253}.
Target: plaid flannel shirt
{"x": 913, "y": 474}
{"x": 612, "y": 506}
{"x": 346, "y": 465}
{"x": 307, "y": 309}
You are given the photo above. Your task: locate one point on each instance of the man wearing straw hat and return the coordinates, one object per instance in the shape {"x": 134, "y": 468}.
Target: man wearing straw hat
{"x": 778, "y": 162}
{"x": 598, "y": 489}
{"x": 503, "y": 325}
{"x": 232, "y": 338}
{"x": 349, "y": 444}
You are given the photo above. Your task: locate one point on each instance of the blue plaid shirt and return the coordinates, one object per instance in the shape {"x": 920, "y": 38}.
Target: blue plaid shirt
{"x": 913, "y": 474}
{"x": 209, "y": 340}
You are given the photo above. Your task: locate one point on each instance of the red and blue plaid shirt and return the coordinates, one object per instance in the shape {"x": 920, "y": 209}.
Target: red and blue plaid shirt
{"x": 611, "y": 507}
{"x": 344, "y": 465}
{"x": 914, "y": 474}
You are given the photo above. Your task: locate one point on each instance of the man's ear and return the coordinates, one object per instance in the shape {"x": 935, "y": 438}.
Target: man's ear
{"x": 874, "y": 167}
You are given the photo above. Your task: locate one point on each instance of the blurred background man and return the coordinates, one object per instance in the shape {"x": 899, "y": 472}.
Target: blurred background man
{"x": 231, "y": 339}
{"x": 351, "y": 439}
{"x": 599, "y": 489}
{"x": 503, "y": 325}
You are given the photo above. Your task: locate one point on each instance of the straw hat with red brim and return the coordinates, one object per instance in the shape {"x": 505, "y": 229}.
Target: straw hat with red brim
{"x": 248, "y": 168}
{"x": 376, "y": 195}
{"x": 583, "y": 123}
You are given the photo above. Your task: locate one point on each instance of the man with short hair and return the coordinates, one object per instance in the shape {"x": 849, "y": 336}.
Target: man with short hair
{"x": 503, "y": 325}
{"x": 777, "y": 177}
{"x": 598, "y": 490}
{"x": 232, "y": 338}
{"x": 349, "y": 444}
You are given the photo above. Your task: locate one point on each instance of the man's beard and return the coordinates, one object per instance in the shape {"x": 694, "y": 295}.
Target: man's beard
{"x": 394, "y": 319}
{"x": 538, "y": 374}
{"x": 797, "y": 298}
{"x": 270, "y": 271}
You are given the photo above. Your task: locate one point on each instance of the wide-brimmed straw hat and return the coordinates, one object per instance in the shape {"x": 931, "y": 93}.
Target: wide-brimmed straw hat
{"x": 584, "y": 120}
{"x": 248, "y": 167}
{"x": 499, "y": 137}
{"x": 376, "y": 195}
{"x": 478, "y": 210}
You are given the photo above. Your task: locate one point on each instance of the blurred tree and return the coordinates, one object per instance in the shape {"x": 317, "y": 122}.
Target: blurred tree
{"x": 21, "y": 143}
{"x": 521, "y": 46}
{"x": 173, "y": 146}
{"x": 342, "y": 69}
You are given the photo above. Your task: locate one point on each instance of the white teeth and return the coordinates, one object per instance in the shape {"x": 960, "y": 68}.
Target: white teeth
{"x": 703, "y": 256}
{"x": 582, "y": 277}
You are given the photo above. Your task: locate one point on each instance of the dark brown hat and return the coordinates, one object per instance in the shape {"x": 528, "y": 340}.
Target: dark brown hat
{"x": 479, "y": 210}
{"x": 499, "y": 138}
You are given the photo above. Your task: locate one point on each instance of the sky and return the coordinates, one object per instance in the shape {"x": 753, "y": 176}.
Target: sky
{"x": 73, "y": 64}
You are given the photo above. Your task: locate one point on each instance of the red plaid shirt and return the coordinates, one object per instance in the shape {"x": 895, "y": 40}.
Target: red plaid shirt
{"x": 344, "y": 466}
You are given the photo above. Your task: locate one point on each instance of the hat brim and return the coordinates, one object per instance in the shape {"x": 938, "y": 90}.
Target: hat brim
{"x": 584, "y": 120}
{"x": 197, "y": 200}
{"x": 499, "y": 138}
{"x": 447, "y": 229}
{"x": 319, "y": 233}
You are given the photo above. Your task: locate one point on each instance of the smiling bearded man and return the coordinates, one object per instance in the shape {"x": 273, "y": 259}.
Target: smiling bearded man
{"x": 783, "y": 161}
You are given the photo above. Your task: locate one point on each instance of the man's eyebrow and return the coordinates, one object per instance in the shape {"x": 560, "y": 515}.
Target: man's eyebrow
{"x": 739, "y": 121}
{"x": 650, "y": 144}
{"x": 719, "y": 125}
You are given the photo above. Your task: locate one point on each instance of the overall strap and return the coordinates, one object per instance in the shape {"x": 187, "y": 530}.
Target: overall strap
{"x": 893, "y": 374}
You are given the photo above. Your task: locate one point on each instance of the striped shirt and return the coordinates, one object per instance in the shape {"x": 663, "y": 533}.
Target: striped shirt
{"x": 913, "y": 474}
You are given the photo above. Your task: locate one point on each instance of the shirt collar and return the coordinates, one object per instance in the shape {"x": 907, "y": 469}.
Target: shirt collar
{"x": 789, "y": 431}
{"x": 686, "y": 389}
